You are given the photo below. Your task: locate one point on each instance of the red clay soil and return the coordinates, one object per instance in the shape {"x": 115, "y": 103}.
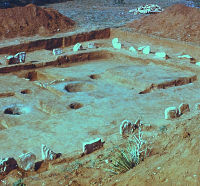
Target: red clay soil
{"x": 31, "y": 20}
{"x": 176, "y": 22}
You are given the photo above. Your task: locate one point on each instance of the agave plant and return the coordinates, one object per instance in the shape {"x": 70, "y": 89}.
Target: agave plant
{"x": 19, "y": 183}
{"x": 122, "y": 163}
{"x": 134, "y": 153}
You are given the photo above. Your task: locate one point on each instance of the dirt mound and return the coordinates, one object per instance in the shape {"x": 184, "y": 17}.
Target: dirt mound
{"x": 177, "y": 22}
{"x": 31, "y": 20}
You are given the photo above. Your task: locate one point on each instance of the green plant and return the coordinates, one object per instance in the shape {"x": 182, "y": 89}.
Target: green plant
{"x": 19, "y": 183}
{"x": 134, "y": 152}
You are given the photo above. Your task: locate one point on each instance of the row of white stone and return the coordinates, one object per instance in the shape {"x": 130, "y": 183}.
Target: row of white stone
{"x": 127, "y": 128}
{"x": 21, "y": 56}
{"x": 147, "y": 50}
{"x": 174, "y": 112}
{"x": 27, "y": 160}
{"x": 76, "y": 48}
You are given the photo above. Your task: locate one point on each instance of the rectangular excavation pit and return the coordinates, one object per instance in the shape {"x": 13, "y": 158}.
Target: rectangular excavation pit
{"x": 145, "y": 78}
{"x": 116, "y": 79}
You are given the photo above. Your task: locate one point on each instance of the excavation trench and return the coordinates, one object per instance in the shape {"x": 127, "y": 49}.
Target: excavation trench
{"x": 88, "y": 89}
{"x": 177, "y": 82}
{"x": 60, "y": 42}
{"x": 61, "y": 60}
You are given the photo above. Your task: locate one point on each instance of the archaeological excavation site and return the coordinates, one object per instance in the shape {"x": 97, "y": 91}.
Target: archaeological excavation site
{"x": 100, "y": 93}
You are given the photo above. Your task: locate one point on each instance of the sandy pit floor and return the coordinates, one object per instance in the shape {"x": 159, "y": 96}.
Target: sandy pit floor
{"x": 117, "y": 88}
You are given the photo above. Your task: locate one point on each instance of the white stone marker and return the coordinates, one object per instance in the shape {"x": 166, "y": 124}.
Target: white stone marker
{"x": 7, "y": 165}
{"x": 198, "y": 63}
{"x": 89, "y": 147}
{"x": 116, "y": 44}
{"x": 160, "y": 54}
{"x": 47, "y": 153}
{"x": 21, "y": 56}
{"x": 132, "y": 49}
{"x": 27, "y": 161}
{"x": 171, "y": 113}
{"x": 127, "y": 128}
{"x": 141, "y": 48}
{"x": 146, "y": 50}
{"x": 57, "y": 51}
{"x": 115, "y": 40}
{"x": 91, "y": 46}
{"x": 185, "y": 56}
{"x": 183, "y": 108}
{"x": 77, "y": 47}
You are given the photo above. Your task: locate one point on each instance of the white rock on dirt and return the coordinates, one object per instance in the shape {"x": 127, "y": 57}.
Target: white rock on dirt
{"x": 183, "y": 108}
{"x": 10, "y": 60}
{"x": 115, "y": 40}
{"x": 147, "y": 9}
{"x": 89, "y": 147}
{"x": 77, "y": 47}
{"x": 127, "y": 128}
{"x": 141, "y": 48}
{"x": 21, "y": 56}
{"x": 57, "y": 51}
{"x": 185, "y": 56}
{"x": 116, "y": 44}
{"x": 132, "y": 49}
{"x": 27, "y": 161}
{"x": 17, "y": 58}
{"x": 171, "y": 113}
{"x": 91, "y": 46}
{"x": 7, "y": 165}
{"x": 47, "y": 153}
{"x": 198, "y": 63}
{"x": 146, "y": 50}
{"x": 160, "y": 55}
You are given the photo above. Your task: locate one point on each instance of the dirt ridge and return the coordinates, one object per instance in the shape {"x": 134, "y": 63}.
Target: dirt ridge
{"x": 31, "y": 20}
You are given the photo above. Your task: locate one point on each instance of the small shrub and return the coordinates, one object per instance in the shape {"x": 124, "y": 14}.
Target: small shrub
{"x": 134, "y": 153}
{"x": 19, "y": 183}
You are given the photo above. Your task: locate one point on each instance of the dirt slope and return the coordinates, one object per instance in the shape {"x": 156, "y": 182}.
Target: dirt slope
{"x": 177, "y": 22}
{"x": 31, "y": 20}
{"x": 174, "y": 160}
